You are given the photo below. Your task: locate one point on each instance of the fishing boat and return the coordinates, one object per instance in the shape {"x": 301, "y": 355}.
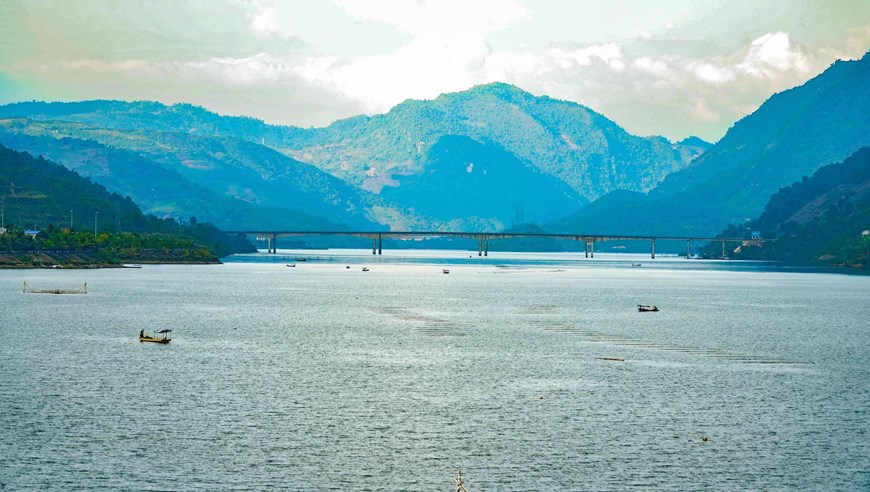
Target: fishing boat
{"x": 645, "y": 309}
{"x": 445, "y": 271}
{"x": 291, "y": 265}
{"x": 365, "y": 269}
{"x": 161, "y": 336}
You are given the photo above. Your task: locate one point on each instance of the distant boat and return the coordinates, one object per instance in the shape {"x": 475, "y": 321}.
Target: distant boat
{"x": 365, "y": 269}
{"x": 301, "y": 259}
{"x": 161, "y": 337}
{"x": 131, "y": 265}
{"x": 445, "y": 271}
{"x": 646, "y": 309}
{"x": 291, "y": 265}
{"x": 635, "y": 264}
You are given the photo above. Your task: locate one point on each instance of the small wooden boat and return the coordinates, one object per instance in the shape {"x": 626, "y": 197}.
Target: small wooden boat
{"x": 646, "y": 309}
{"x": 291, "y": 265}
{"x": 365, "y": 269}
{"x": 162, "y": 336}
{"x": 445, "y": 271}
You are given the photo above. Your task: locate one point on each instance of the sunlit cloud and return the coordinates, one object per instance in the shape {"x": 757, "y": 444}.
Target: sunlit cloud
{"x": 440, "y": 18}
{"x": 352, "y": 56}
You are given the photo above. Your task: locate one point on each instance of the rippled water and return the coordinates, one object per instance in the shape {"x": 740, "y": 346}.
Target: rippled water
{"x": 323, "y": 377}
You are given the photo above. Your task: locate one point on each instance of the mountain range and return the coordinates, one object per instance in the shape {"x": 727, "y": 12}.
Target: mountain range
{"x": 483, "y": 159}
{"x": 489, "y": 158}
{"x": 790, "y": 136}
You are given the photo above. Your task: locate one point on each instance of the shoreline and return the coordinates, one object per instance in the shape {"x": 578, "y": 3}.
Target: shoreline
{"x": 88, "y": 260}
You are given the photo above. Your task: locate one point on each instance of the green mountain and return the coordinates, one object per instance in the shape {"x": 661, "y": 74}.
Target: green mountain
{"x": 36, "y": 193}
{"x": 475, "y": 181}
{"x": 791, "y": 135}
{"x": 819, "y": 220}
{"x": 570, "y": 142}
{"x": 392, "y": 167}
{"x": 230, "y": 182}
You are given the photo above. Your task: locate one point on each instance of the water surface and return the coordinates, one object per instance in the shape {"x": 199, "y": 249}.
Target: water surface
{"x": 326, "y": 377}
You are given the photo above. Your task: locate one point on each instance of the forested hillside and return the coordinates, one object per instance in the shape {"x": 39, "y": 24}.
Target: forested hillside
{"x": 790, "y": 136}
{"x": 820, "y": 219}
{"x": 72, "y": 214}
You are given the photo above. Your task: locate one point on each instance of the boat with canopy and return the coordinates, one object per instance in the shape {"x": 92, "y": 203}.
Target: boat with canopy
{"x": 161, "y": 336}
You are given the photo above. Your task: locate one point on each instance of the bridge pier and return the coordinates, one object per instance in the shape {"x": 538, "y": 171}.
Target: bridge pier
{"x": 723, "y": 250}
{"x": 482, "y": 246}
{"x": 586, "y": 248}
{"x": 653, "y": 248}
{"x": 377, "y": 245}
{"x": 688, "y": 248}
{"x": 592, "y": 249}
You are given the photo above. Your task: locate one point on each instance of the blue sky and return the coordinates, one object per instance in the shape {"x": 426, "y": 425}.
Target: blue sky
{"x": 675, "y": 68}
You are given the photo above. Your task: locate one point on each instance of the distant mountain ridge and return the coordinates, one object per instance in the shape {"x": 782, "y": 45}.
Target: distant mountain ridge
{"x": 791, "y": 135}
{"x": 580, "y": 147}
{"x": 522, "y": 138}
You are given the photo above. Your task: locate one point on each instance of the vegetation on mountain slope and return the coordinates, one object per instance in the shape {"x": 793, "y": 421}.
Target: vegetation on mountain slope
{"x": 818, "y": 220}
{"x": 790, "y": 136}
{"x": 73, "y": 214}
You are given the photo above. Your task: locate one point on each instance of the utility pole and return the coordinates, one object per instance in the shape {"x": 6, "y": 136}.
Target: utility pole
{"x": 3, "y": 211}
{"x": 95, "y": 224}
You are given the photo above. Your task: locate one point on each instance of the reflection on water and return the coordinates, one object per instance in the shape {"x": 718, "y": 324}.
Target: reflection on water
{"x": 530, "y": 372}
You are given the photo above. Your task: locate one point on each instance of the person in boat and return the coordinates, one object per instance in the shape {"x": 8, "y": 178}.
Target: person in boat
{"x": 654, "y": 308}
{"x": 142, "y": 333}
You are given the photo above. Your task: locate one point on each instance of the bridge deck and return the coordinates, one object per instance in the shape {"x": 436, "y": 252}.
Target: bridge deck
{"x": 485, "y": 235}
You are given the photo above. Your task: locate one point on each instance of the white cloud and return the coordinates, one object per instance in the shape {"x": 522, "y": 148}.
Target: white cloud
{"x": 632, "y": 62}
{"x": 711, "y": 73}
{"x": 610, "y": 54}
{"x": 772, "y": 54}
{"x": 263, "y": 23}
{"x": 441, "y": 18}
{"x": 659, "y": 68}
{"x": 427, "y": 67}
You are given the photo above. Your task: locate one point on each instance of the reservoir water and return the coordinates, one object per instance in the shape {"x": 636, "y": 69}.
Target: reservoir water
{"x": 527, "y": 371}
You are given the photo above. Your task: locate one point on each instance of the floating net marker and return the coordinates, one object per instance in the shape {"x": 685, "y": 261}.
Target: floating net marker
{"x": 29, "y": 290}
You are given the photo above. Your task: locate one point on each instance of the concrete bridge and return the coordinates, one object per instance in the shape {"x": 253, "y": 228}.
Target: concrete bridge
{"x": 483, "y": 238}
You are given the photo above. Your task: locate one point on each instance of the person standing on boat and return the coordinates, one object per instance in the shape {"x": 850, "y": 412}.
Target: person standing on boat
{"x": 142, "y": 333}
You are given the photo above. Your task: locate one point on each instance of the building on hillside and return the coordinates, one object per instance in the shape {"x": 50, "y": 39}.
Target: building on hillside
{"x": 31, "y": 232}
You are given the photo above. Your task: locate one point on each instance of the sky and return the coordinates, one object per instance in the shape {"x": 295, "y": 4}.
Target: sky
{"x": 667, "y": 67}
